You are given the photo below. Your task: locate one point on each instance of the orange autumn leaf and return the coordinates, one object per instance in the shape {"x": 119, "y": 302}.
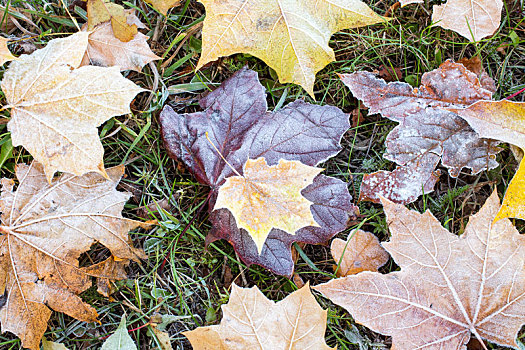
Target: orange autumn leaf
{"x": 44, "y": 230}
{"x": 267, "y": 197}
{"x": 251, "y": 321}
{"x": 448, "y": 288}
{"x": 360, "y": 252}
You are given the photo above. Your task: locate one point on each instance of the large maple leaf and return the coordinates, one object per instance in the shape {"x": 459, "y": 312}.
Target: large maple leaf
{"x": 236, "y": 119}
{"x": 427, "y": 133}
{"x": 251, "y": 321}
{"x": 504, "y": 121}
{"x": 57, "y": 107}
{"x": 449, "y": 287}
{"x": 44, "y": 230}
{"x": 290, "y": 36}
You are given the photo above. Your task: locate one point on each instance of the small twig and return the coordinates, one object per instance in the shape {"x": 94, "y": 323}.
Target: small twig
{"x": 515, "y": 94}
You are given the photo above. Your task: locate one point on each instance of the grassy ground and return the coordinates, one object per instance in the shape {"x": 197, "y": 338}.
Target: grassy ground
{"x": 194, "y": 282}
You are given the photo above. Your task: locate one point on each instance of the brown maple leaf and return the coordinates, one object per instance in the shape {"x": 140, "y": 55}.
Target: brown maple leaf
{"x": 44, "y": 230}
{"x": 449, "y": 287}
{"x": 251, "y": 321}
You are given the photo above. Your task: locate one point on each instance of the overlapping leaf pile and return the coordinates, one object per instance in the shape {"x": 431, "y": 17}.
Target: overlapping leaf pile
{"x": 236, "y": 119}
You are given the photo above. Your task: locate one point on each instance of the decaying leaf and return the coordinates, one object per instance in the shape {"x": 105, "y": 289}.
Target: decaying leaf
{"x": 449, "y": 287}
{"x": 267, "y": 197}
{"x": 251, "y": 321}
{"x": 504, "y": 121}
{"x": 106, "y": 50}
{"x": 163, "y": 5}
{"x": 45, "y": 228}
{"x": 289, "y": 36}
{"x": 236, "y": 118}
{"x": 472, "y": 19}
{"x": 5, "y": 54}
{"x": 426, "y": 132}
{"x": 360, "y": 252}
{"x": 57, "y": 107}
{"x": 100, "y": 11}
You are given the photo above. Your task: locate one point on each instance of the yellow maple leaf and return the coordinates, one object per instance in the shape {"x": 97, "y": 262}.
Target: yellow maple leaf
{"x": 269, "y": 197}
{"x": 5, "y": 54}
{"x": 291, "y": 36}
{"x": 57, "y": 107}
{"x": 100, "y": 11}
{"x": 505, "y": 121}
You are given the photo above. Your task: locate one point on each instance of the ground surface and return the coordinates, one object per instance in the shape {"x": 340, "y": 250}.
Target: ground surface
{"x": 196, "y": 281}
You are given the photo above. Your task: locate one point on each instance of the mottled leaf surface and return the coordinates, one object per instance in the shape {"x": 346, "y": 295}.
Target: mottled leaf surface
{"x": 237, "y": 121}
{"x": 449, "y": 287}
{"x": 44, "y": 230}
{"x": 426, "y": 132}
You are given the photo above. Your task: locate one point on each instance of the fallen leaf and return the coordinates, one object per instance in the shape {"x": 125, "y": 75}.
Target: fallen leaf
{"x": 51, "y": 345}
{"x": 449, "y": 287}
{"x": 408, "y": 2}
{"x": 57, "y": 107}
{"x": 426, "y": 132}
{"x": 505, "y": 121}
{"x": 473, "y": 20}
{"x": 106, "y": 50}
{"x": 163, "y": 5}
{"x": 100, "y": 11}
{"x": 5, "y": 54}
{"x": 163, "y": 339}
{"x": 44, "y": 230}
{"x": 251, "y": 321}
{"x": 291, "y": 37}
{"x": 268, "y": 197}
{"x": 120, "y": 340}
{"x": 475, "y": 65}
{"x": 237, "y": 120}
{"x": 360, "y": 252}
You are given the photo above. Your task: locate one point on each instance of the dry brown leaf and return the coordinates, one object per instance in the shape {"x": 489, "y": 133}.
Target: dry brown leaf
{"x": 251, "y": 321}
{"x": 57, "y": 107}
{"x": 100, "y": 11}
{"x": 473, "y": 19}
{"x": 106, "y": 50}
{"x": 288, "y": 35}
{"x": 360, "y": 252}
{"x": 449, "y": 287}
{"x": 5, "y": 54}
{"x": 44, "y": 229}
{"x": 163, "y": 5}
{"x": 268, "y": 197}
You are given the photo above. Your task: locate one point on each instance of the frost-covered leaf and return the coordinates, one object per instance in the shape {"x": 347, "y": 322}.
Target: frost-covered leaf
{"x": 504, "y": 121}
{"x": 360, "y": 252}
{"x": 236, "y": 119}
{"x": 106, "y": 50}
{"x": 426, "y": 132}
{"x": 473, "y": 19}
{"x": 44, "y": 230}
{"x": 251, "y": 321}
{"x": 290, "y": 36}
{"x": 267, "y": 197}
{"x": 449, "y": 287}
{"x": 57, "y": 107}
{"x": 120, "y": 340}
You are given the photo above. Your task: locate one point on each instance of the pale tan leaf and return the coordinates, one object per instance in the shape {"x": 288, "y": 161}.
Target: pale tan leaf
{"x": 44, "y": 229}
{"x": 449, "y": 287}
{"x": 267, "y": 197}
{"x": 408, "y": 2}
{"x": 105, "y": 50}
{"x": 57, "y": 107}
{"x": 288, "y": 35}
{"x": 473, "y": 19}
{"x": 251, "y": 321}
{"x": 163, "y": 338}
{"x": 360, "y": 252}
{"x": 5, "y": 54}
{"x": 100, "y": 11}
{"x": 51, "y": 345}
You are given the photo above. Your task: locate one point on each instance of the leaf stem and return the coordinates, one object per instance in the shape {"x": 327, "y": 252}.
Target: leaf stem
{"x": 220, "y": 154}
